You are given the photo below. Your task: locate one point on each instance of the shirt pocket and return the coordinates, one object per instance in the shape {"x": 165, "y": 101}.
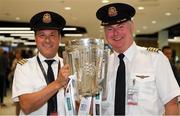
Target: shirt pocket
{"x": 147, "y": 91}
{"x": 144, "y": 82}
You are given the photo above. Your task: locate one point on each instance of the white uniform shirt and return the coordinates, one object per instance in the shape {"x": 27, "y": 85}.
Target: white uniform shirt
{"x": 29, "y": 78}
{"x": 154, "y": 91}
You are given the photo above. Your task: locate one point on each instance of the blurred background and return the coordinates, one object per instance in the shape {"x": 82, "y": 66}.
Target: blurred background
{"x": 157, "y": 24}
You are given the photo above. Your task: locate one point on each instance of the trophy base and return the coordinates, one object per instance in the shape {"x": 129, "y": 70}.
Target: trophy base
{"x": 90, "y": 92}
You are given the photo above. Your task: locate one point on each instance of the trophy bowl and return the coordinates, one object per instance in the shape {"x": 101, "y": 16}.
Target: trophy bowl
{"x": 85, "y": 57}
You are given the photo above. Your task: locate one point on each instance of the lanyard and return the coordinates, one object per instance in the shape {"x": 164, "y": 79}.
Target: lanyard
{"x": 43, "y": 71}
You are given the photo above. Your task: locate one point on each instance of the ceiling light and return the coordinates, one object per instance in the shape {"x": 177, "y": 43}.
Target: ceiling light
{"x": 138, "y": 31}
{"x": 168, "y": 14}
{"x": 16, "y": 31}
{"x": 73, "y": 35}
{"x": 154, "y": 22}
{"x": 14, "y": 28}
{"x": 140, "y": 8}
{"x": 17, "y": 18}
{"x": 14, "y": 45}
{"x": 67, "y": 8}
{"x": 22, "y": 34}
{"x": 177, "y": 38}
{"x": 69, "y": 29}
{"x": 105, "y": 1}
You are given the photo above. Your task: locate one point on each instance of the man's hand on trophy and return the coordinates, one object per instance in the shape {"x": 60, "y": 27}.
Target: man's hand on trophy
{"x": 63, "y": 75}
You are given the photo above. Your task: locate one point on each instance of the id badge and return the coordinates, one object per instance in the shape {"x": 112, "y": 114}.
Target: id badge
{"x": 97, "y": 104}
{"x": 84, "y": 107}
{"x": 68, "y": 104}
{"x": 132, "y": 95}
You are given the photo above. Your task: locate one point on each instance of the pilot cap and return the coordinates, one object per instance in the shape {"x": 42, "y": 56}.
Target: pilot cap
{"x": 47, "y": 20}
{"x": 115, "y": 13}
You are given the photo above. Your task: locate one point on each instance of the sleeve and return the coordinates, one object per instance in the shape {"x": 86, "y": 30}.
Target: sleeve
{"x": 22, "y": 83}
{"x": 165, "y": 81}
{"x": 174, "y": 68}
{"x": 13, "y": 64}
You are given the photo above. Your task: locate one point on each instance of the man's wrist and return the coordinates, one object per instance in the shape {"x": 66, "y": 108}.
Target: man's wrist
{"x": 58, "y": 85}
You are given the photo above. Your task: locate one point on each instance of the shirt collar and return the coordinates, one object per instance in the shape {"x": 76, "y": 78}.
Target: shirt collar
{"x": 130, "y": 52}
{"x": 42, "y": 58}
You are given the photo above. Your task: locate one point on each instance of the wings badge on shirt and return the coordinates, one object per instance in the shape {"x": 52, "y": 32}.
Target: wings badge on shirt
{"x": 142, "y": 76}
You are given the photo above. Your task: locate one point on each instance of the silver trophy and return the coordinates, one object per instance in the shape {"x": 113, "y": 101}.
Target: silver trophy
{"x": 86, "y": 59}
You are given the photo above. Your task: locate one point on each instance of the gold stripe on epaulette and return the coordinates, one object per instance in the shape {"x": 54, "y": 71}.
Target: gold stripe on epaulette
{"x": 23, "y": 61}
{"x": 151, "y": 49}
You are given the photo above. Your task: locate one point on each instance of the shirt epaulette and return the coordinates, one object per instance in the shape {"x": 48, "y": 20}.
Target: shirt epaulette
{"x": 23, "y": 61}
{"x": 151, "y": 49}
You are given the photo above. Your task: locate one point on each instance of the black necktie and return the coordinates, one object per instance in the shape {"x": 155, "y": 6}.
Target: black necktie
{"x": 52, "y": 102}
{"x": 120, "y": 88}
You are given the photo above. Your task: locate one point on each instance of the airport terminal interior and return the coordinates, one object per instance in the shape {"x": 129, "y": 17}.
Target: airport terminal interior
{"x": 157, "y": 24}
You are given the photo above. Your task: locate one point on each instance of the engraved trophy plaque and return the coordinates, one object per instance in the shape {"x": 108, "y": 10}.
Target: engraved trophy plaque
{"x": 85, "y": 57}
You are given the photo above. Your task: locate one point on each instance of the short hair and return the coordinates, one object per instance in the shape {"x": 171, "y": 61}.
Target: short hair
{"x": 165, "y": 47}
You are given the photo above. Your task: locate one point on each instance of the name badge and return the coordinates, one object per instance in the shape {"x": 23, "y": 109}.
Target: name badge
{"x": 132, "y": 94}
{"x": 97, "y": 104}
{"x": 69, "y": 98}
{"x": 84, "y": 107}
{"x": 68, "y": 104}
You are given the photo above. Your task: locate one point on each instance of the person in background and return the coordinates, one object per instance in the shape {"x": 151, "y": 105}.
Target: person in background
{"x": 167, "y": 51}
{"x": 140, "y": 80}
{"x": 2, "y": 77}
{"x": 30, "y": 53}
{"x": 18, "y": 57}
{"x": 6, "y": 69}
{"x": 39, "y": 81}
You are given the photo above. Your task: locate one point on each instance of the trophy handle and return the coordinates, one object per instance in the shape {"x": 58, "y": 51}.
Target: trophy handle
{"x": 68, "y": 59}
{"x": 65, "y": 57}
{"x": 104, "y": 73}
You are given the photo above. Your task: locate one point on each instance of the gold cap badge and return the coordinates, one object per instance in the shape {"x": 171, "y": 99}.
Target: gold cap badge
{"x": 46, "y": 18}
{"x": 112, "y": 11}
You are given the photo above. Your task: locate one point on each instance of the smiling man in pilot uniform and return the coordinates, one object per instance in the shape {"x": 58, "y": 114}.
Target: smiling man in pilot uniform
{"x": 140, "y": 81}
{"x": 39, "y": 82}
